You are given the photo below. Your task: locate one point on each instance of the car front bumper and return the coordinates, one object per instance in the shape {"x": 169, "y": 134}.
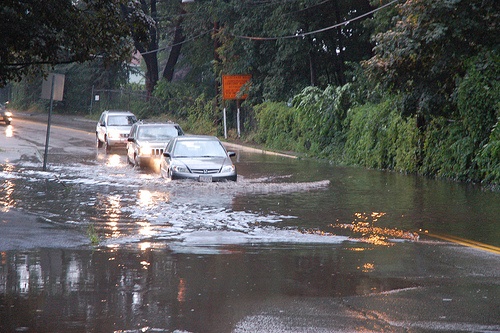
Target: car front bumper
{"x": 5, "y": 118}
{"x": 121, "y": 141}
{"x": 149, "y": 155}
{"x": 148, "y": 160}
{"x": 216, "y": 177}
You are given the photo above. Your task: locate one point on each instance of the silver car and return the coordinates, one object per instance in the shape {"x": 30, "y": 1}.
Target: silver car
{"x": 113, "y": 128}
{"x": 200, "y": 158}
{"x": 5, "y": 116}
{"x": 147, "y": 141}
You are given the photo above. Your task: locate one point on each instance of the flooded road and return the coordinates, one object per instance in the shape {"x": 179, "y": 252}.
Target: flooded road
{"x": 94, "y": 245}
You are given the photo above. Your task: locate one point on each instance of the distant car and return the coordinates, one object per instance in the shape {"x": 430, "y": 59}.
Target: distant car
{"x": 200, "y": 158}
{"x": 113, "y": 128}
{"x": 147, "y": 141}
{"x": 5, "y": 116}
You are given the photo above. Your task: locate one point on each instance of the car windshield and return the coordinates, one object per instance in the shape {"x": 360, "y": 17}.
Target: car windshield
{"x": 157, "y": 133}
{"x": 199, "y": 149}
{"x": 121, "y": 120}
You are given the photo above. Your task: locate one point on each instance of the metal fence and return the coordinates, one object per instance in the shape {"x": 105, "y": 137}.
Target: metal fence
{"x": 106, "y": 99}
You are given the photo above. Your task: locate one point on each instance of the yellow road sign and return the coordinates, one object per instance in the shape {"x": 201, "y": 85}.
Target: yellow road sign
{"x": 232, "y": 86}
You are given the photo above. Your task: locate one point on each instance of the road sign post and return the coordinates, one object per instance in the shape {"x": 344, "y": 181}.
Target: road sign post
{"x": 53, "y": 89}
{"x": 235, "y": 87}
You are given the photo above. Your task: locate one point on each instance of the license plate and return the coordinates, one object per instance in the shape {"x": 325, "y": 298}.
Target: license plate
{"x": 205, "y": 178}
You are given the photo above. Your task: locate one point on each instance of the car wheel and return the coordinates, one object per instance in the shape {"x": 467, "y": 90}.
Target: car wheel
{"x": 137, "y": 163}
{"x": 97, "y": 141}
{"x": 165, "y": 173}
{"x": 107, "y": 146}
{"x": 130, "y": 162}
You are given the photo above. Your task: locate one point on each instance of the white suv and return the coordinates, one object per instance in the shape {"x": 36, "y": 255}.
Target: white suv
{"x": 113, "y": 128}
{"x": 146, "y": 141}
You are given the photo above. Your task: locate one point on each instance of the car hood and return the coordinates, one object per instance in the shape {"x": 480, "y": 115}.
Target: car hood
{"x": 203, "y": 162}
{"x": 120, "y": 129}
{"x": 153, "y": 144}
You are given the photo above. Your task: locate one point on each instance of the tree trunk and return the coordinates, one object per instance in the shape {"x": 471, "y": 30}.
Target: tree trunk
{"x": 150, "y": 53}
{"x": 217, "y": 58}
{"x": 151, "y": 61}
{"x": 312, "y": 68}
{"x": 168, "y": 72}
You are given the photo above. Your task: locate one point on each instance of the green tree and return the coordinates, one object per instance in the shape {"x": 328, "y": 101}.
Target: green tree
{"x": 39, "y": 34}
{"x": 287, "y": 46}
{"x": 320, "y": 119}
{"x": 424, "y": 52}
{"x": 478, "y": 94}
{"x": 80, "y": 80}
{"x": 165, "y": 29}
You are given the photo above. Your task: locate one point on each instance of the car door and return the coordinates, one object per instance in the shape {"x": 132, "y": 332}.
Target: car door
{"x": 100, "y": 128}
{"x": 164, "y": 160}
{"x": 131, "y": 145}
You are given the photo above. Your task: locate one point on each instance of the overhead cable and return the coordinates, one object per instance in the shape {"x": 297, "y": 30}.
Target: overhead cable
{"x": 300, "y": 35}
{"x": 184, "y": 41}
{"x": 282, "y": 37}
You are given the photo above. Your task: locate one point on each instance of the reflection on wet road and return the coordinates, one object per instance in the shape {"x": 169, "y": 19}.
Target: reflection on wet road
{"x": 278, "y": 288}
{"x": 9, "y": 131}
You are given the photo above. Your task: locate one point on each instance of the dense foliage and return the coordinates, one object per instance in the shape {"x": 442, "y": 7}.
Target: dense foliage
{"x": 411, "y": 86}
{"x": 426, "y": 50}
{"x": 39, "y": 34}
{"x": 438, "y": 112}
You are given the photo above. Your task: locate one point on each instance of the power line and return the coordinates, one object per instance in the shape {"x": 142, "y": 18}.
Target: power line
{"x": 184, "y": 41}
{"x": 320, "y": 30}
{"x": 282, "y": 37}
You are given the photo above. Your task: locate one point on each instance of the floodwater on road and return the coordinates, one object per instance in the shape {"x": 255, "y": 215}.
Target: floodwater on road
{"x": 276, "y": 199}
{"x": 292, "y": 243}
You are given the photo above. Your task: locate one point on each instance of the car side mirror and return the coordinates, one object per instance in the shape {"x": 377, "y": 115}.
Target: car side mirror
{"x": 130, "y": 139}
{"x": 231, "y": 153}
{"x": 166, "y": 154}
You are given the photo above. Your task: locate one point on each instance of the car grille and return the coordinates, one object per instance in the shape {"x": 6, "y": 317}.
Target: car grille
{"x": 123, "y": 135}
{"x": 205, "y": 171}
{"x": 157, "y": 152}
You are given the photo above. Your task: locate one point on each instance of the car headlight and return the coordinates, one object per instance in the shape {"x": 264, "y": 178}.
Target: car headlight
{"x": 8, "y": 114}
{"x": 113, "y": 134}
{"x": 227, "y": 168}
{"x": 180, "y": 168}
{"x": 145, "y": 150}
